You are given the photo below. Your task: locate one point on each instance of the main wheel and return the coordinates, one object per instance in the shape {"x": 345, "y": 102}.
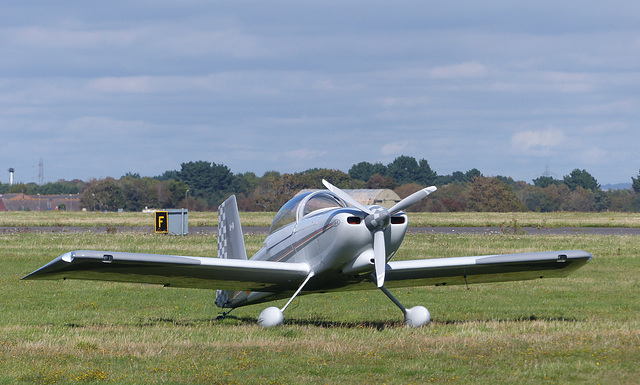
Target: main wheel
{"x": 271, "y": 316}
{"x": 417, "y": 316}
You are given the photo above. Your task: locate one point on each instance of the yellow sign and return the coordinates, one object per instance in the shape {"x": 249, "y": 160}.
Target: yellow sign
{"x": 162, "y": 222}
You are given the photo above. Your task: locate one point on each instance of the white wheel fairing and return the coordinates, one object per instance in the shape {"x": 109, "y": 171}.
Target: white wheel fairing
{"x": 417, "y": 316}
{"x": 271, "y": 316}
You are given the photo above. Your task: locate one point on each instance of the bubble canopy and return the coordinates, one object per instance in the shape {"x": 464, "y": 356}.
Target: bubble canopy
{"x": 304, "y": 204}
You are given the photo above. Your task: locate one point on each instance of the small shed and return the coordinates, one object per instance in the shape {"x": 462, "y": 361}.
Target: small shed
{"x": 382, "y": 197}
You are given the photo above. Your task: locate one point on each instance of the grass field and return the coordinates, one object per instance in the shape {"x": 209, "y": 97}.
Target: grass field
{"x": 581, "y": 329}
{"x": 541, "y": 220}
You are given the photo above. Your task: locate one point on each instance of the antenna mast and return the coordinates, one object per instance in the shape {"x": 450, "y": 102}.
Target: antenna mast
{"x": 41, "y": 172}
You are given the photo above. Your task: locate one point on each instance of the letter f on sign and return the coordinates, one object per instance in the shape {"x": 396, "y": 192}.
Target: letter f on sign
{"x": 161, "y": 222}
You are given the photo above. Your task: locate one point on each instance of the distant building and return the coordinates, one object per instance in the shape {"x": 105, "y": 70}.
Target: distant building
{"x": 381, "y": 197}
{"x": 22, "y": 202}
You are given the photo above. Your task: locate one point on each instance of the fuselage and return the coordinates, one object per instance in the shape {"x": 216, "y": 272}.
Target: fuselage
{"x": 334, "y": 241}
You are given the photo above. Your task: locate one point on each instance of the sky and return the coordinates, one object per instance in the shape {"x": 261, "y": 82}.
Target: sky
{"x": 519, "y": 89}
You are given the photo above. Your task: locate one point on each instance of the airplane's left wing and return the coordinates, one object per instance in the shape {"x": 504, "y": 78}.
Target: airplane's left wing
{"x": 175, "y": 271}
{"x": 484, "y": 269}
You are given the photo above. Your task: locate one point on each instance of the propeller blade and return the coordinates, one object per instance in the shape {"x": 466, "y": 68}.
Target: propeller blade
{"x": 412, "y": 199}
{"x": 379, "y": 256}
{"x": 346, "y": 197}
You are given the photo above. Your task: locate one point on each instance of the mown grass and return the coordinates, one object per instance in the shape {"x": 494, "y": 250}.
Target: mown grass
{"x": 581, "y": 329}
{"x": 530, "y": 219}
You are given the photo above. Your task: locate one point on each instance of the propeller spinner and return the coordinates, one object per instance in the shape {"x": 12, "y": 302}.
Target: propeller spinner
{"x": 377, "y": 220}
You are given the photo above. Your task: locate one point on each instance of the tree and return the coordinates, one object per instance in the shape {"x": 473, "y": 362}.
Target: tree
{"x": 582, "y": 200}
{"x": 104, "y": 194}
{"x": 556, "y": 198}
{"x": 492, "y": 195}
{"x": 22, "y": 188}
{"x": 364, "y": 170}
{"x": 457, "y": 177}
{"x": 545, "y": 181}
{"x": 403, "y": 169}
{"x": 378, "y": 181}
{"x": 168, "y": 175}
{"x": 581, "y": 178}
{"x": 424, "y": 174}
{"x": 206, "y": 180}
{"x": 622, "y": 200}
{"x": 407, "y": 189}
{"x": 244, "y": 183}
{"x": 178, "y": 191}
{"x": 312, "y": 178}
{"x": 506, "y": 180}
{"x": 139, "y": 192}
{"x": 55, "y": 188}
{"x": 636, "y": 183}
{"x": 473, "y": 173}
{"x": 452, "y": 198}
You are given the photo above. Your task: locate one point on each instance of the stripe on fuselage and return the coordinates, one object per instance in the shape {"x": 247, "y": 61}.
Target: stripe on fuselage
{"x": 287, "y": 254}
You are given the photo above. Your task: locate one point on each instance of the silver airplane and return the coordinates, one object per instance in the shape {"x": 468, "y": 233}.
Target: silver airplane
{"x": 320, "y": 241}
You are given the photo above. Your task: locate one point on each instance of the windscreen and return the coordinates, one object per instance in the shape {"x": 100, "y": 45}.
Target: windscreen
{"x": 287, "y": 213}
{"x": 321, "y": 202}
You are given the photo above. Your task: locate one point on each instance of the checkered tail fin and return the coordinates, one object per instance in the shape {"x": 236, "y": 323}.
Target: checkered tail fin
{"x": 230, "y": 241}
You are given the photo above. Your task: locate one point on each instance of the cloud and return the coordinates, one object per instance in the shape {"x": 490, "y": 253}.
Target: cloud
{"x": 463, "y": 70}
{"x": 305, "y": 154}
{"x": 132, "y": 84}
{"x": 394, "y": 148}
{"x": 67, "y": 37}
{"x": 311, "y": 87}
{"x": 539, "y": 142}
{"x": 594, "y": 156}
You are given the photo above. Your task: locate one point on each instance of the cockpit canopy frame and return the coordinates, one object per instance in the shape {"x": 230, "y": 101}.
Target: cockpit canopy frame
{"x": 303, "y": 205}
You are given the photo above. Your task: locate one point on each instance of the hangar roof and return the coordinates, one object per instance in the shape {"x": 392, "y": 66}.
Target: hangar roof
{"x": 22, "y": 202}
{"x": 383, "y": 197}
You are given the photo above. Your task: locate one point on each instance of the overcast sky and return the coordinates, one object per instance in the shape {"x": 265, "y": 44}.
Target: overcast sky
{"x": 100, "y": 89}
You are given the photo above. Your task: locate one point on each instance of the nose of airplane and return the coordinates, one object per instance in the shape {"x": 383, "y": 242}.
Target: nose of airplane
{"x": 377, "y": 220}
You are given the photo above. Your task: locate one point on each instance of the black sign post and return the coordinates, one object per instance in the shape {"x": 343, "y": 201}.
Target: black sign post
{"x": 162, "y": 222}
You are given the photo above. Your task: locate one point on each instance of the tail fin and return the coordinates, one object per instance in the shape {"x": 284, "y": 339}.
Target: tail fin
{"x": 230, "y": 242}
{"x": 230, "y": 238}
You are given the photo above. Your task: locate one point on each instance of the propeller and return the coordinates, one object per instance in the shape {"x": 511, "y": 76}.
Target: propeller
{"x": 377, "y": 220}
{"x": 346, "y": 197}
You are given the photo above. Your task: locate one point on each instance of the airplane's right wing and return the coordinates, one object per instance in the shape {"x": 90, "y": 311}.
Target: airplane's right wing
{"x": 175, "y": 271}
{"x": 484, "y": 269}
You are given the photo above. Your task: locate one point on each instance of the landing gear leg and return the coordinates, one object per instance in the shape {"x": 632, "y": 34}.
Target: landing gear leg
{"x": 224, "y": 314}
{"x": 272, "y": 316}
{"x": 415, "y": 317}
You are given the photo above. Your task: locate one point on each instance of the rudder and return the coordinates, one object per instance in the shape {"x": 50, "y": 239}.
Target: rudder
{"x": 230, "y": 237}
{"x": 230, "y": 241}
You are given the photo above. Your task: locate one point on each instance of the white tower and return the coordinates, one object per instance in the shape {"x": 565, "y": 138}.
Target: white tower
{"x": 11, "y": 171}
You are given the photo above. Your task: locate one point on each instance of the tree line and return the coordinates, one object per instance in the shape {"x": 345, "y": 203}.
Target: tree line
{"x": 202, "y": 186}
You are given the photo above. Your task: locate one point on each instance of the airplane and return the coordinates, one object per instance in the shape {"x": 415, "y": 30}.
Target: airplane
{"x": 320, "y": 241}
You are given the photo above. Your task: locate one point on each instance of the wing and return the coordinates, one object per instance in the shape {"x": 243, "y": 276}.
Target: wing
{"x": 176, "y": 271}
{"x": 492, "y": 268}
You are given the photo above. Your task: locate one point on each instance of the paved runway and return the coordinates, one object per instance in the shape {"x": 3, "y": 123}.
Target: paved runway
{"x": 528, "y": 230}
